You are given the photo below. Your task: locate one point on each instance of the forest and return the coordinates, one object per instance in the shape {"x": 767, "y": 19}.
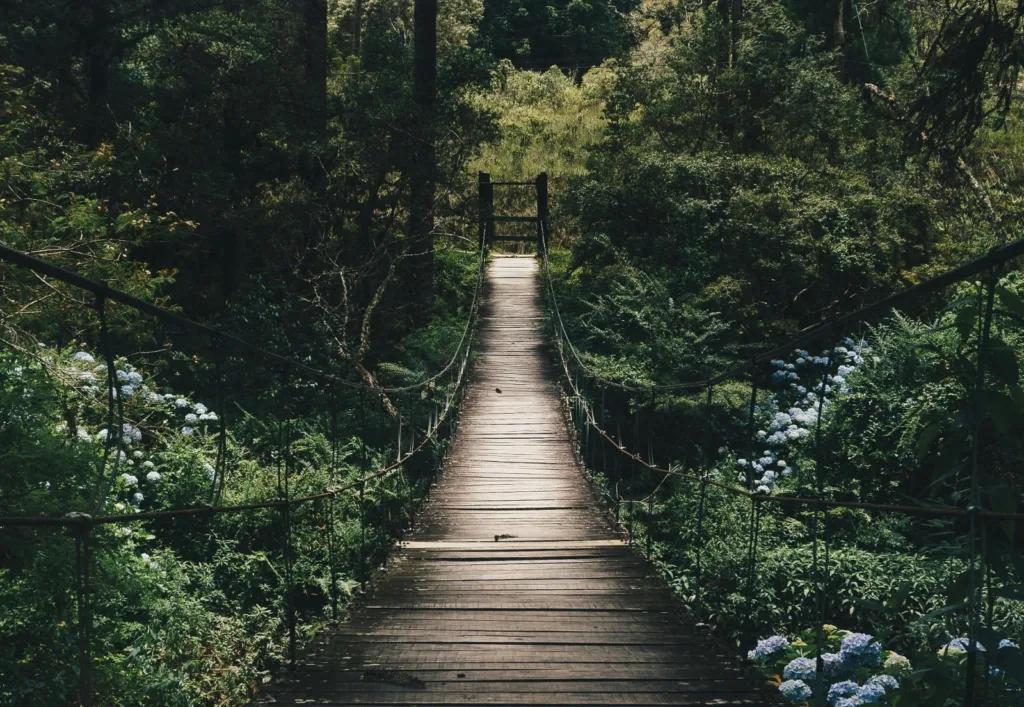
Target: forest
{"x": 294, "y": 183}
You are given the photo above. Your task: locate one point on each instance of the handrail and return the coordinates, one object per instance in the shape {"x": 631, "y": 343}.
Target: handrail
{"x": 979, "y": 575}
{"x": 79, "y": 518}
{"x": 103, "y": 291}
{"x": 934, "y": 511}
{"x": 80, "y": 524}
{"x": 995, "y": 257}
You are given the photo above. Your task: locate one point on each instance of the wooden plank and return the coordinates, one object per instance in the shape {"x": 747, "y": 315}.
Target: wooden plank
{"x": 562, "y": 612}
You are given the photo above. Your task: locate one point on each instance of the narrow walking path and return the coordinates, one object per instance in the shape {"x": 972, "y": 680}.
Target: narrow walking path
{"x": 557, "y": 610}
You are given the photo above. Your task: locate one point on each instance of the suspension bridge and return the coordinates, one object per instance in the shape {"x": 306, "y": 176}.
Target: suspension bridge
{"x": 517, "y": 585}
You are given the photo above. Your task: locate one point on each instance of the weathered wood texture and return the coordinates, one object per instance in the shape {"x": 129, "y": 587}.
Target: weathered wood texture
{"x": 561, "y": 612}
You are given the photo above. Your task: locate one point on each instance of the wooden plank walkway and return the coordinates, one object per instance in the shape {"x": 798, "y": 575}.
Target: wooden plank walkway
{"x": 557, "y": 610}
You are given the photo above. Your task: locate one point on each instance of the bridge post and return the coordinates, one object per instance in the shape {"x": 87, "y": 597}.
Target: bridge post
{"x": 486, "y": 189}
{"x": 83, "y": 559}
{"x": 542, "y": 211}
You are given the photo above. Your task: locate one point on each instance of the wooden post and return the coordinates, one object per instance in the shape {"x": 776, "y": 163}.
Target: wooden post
{"x": 542, "y": 211}
{"x": 486, "y": 209}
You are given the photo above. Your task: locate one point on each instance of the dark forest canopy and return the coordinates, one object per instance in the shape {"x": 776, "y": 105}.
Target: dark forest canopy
{"x": 302, "y": 174}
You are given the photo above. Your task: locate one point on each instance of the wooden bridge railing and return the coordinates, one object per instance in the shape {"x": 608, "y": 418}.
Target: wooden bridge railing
{"x": 597, "y": 433}
{"x": 442, "y": 391}
{"x": 489, "y": 220}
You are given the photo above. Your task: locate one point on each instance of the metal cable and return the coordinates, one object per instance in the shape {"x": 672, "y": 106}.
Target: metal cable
{"x": 104, "y": 292}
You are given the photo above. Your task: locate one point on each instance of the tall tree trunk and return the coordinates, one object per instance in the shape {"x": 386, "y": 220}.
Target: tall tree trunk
{"x": 737, "y": 17}
{"x": 424, "y": 168}
{"x": 315, "y": 17}
{"x": 839, "y": 37}
{"x": 724, "y": 51}
{"x": 226, "y": 246}
{"x": 724, "y": 57}
{"x": 357, "y": 27}
{"x": 97, "y": 66}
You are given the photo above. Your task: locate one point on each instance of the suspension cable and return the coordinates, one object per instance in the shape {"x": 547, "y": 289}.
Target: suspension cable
{"x": 996, "y": 256}
{"x": 104, "y": 292}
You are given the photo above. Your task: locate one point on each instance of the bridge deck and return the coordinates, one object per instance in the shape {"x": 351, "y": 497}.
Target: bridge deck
{"x": 562, "y": 612}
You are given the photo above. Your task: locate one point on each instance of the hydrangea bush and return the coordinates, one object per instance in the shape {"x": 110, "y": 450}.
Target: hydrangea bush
{"x": 856, "y": 669}
{"x": 186, "y": 612}
{"x": 802, "y": 389}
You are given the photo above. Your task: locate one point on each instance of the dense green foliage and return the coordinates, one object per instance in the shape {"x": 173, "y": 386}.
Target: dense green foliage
{"x": 762, "y": 171}
{"x": 724, "y": 175}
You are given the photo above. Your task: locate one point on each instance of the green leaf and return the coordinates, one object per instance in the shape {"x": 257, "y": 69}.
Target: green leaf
{"x": 1002, "y": 361}
{"x": 1004, "y": 413}
{"x": 899, "y": 597}
{"x": 965, "y": 322}
{"x": 959, "y": 588}
{"x": 928, "y": 436}
{"x": 1011, "y": 301}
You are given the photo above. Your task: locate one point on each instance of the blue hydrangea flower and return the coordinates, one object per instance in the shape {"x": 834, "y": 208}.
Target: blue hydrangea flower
{"x": 849, "y": 702}
{"x": 768, "y": 647}
{"x": 887, "y": 682}
{"x": 187, "y": 431}
{"x": 961, "y": 645}
{"x": 83, "y": 357}
{"x": 871, "y": 693}
{"x": 1007, "y": 643}
{"x": 795, "y": 690}
{"x": 846, "y": 688}
{"x": 861, "y": 649}
{"x": 800, "y": 669}
{"x": 835, "y": 664}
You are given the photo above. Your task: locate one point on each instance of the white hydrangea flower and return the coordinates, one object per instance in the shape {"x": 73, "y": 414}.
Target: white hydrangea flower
{"x": 191, "y": 418}
{"x": 181, "y": 403}
{"x": 147, "y": 465}
{"x": 200, "y": 408}
{"x": 130, "y": 479}
{"x": 187, "y": 431}
{"x": 153, "y": 476}
{"x": 137, "y": 498}
{"x": 83, "y": 357}
{"x": 138, "y": 454}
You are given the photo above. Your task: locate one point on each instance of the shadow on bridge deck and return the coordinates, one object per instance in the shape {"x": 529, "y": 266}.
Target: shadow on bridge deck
{"x": 556, "y": 611}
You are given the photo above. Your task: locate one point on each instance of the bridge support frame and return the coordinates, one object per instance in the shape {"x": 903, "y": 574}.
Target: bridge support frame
{"x": 488, "y": 219}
